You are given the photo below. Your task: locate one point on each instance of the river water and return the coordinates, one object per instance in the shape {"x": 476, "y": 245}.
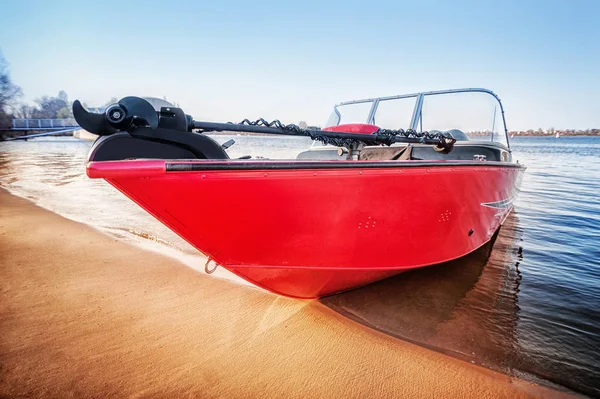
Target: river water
{"x": 527, "y": 304}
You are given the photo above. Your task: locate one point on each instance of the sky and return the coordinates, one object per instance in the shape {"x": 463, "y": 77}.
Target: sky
{"x": 230, "y": 60}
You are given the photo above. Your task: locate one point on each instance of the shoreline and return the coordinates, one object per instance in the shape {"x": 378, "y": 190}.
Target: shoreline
{"x": 83, "y": 314}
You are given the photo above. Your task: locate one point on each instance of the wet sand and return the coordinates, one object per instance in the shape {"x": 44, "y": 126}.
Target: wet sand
{"x": 82, "y": 314}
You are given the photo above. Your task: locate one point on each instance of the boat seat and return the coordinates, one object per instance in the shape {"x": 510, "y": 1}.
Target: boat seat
{"x": 459, "y": 135}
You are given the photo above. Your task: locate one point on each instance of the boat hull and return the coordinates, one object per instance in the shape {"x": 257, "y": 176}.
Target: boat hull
{"x": 310, "y": 229}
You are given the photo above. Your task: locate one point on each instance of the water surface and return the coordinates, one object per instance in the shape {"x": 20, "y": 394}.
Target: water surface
{"x": 527, "y": 304}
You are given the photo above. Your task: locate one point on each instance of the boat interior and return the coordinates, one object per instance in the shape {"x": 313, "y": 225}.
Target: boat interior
{"x": 462, "y": 151}
{"x": 482, "y": 136}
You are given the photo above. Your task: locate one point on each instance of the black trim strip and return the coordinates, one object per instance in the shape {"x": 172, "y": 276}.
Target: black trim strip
{"x": 233, "y": 165}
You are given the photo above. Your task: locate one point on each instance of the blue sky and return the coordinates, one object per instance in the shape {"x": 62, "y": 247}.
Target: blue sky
{"x": 228, "y": 60}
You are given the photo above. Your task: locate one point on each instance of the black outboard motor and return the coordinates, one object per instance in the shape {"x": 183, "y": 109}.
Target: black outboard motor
{"x": 132, "y": 128}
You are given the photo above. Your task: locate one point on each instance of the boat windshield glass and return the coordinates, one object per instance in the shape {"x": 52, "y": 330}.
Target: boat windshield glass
{"x": 477, "y": 114}
{"x": 395, "y": 113}
{"x": 469, "y": 114}
{"x": 350, "y": 113}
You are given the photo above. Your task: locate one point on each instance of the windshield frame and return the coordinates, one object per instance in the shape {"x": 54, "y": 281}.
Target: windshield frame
{"x": 417, "y": 112}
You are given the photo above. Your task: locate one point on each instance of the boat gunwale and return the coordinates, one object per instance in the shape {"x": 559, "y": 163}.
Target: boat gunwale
{"x": 199, "y": 165}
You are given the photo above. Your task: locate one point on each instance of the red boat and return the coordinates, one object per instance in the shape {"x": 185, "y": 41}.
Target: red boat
{"x": 368, "y": 203}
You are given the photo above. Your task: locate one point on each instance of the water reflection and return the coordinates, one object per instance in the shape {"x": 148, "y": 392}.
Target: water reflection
{"x": 468, "y": 306}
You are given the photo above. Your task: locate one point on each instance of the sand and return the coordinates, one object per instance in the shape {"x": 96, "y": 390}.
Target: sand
{"x": 84, "y": 315}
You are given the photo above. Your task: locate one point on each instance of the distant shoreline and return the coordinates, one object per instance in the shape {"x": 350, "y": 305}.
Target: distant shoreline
{"x": 553, "y": 135}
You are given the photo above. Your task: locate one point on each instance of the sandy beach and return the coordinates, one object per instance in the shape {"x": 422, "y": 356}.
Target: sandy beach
{"x": 85, "y": 315}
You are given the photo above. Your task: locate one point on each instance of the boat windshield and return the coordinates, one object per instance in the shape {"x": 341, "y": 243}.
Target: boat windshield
{"x": 469, "y": 114}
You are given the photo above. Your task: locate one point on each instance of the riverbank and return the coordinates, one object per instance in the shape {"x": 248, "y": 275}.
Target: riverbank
{"x": 82, "y": 314}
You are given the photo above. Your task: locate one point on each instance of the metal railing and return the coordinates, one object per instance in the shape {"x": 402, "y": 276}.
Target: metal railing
{"x": 43, "y": 124}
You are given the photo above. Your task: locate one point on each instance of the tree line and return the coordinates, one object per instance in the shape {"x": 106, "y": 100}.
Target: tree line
{"x": 9, "y": 94}
{"x": 542, "y": 132}
{"x": 46, "y": 107}
{"x": 552, "y": 132}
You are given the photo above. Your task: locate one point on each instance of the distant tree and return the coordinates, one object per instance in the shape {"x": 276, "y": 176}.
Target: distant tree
{"x": 303, "y": 124}
{"x": 65, "y": 112}
{"x": 24, "y": 111}
{"x": 49, "y": 107}
{"x": 9, "y": 93}
{"x": 62, "y": 95}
